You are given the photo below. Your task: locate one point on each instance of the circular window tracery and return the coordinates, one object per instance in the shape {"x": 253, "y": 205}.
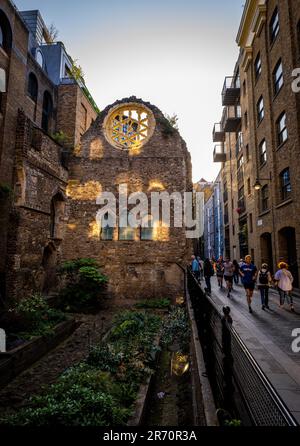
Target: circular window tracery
{"x": 129, "y": 126}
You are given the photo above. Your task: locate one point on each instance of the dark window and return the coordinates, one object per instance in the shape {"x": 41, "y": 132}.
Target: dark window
{"x": 257, "y": 66}
{"x": 244, "y": 88}
{"x": 251, "y": 223}
{"x": 265, "y": 198}
{"x": 263, "y": 152}
{"x": 249, "y": 186}
{"x": 247, "y": 153}
{"x": 282, "y": 132}
{"x": 5, "y": 32}
{"x": 274, "y": 26}
{"x": 278, "y": 77}
{"x": 246, "y": 120}
{"x": 107, "y": 228}
{"x": 260, "y": 109}
{"x": 285, "y": 184}
{"x": 147, "y": 233}
{"x": 47, "y": 111}
{"x": 32, "y": 87}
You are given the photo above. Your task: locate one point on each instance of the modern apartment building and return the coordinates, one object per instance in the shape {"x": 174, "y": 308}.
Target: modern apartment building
{"x": 258, "y": 138}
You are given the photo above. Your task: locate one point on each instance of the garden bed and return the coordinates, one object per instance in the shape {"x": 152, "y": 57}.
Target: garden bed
{"x": 15, "y": 361}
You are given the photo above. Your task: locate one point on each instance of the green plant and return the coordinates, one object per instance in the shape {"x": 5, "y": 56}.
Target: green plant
{"x": 168, "y": 125}
{"x": 37, "y": 318}
{"x": 176, "y": 328}
{"x": 60, "y": 137}
{"x": 101, "y": 390}
{"x": 154, "y": 303}
{"x": 233, "y": 423}
{"x": 84, "y": 282}
{"x": 5, "y": 190}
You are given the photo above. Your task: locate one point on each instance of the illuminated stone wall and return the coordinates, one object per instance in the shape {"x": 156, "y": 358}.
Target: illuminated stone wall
{"x": 136, "y": 269}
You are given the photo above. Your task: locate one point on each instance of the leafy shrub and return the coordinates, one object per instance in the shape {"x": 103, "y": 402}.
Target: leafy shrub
{"x": 84, "y": 283}
{"x": 154, "y": 303}
{"x": 32, "y": 317}
{"x": 101, "y": 390}
{"x": 176, "y": 329}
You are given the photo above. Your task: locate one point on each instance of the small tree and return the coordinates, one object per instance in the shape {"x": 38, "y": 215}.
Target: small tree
{"x": 52, "y": 33}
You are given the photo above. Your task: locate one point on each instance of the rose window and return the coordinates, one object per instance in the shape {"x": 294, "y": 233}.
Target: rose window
{"x": 129, "y": 126}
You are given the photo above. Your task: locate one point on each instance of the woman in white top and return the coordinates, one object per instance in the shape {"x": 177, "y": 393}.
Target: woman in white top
{"x": 284, "y": 280}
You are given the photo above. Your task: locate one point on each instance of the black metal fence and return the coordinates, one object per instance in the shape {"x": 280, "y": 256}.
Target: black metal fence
{"x": 239, "y": 385}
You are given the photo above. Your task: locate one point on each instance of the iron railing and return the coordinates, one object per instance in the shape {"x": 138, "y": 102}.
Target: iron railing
{"x": 239, "y": 385}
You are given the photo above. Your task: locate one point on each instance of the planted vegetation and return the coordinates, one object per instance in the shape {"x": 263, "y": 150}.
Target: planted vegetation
{"x": 83, "y": 285}
{"x": 31, "y": 317}
{"x": 100, "y": 391}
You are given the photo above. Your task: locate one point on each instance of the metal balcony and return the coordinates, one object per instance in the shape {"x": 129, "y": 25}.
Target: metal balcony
{"x": 219, "y": 154}
{"x": 231, "y": 91}
{"x": 232, "y": 119}
{"x": 218, "y": 133}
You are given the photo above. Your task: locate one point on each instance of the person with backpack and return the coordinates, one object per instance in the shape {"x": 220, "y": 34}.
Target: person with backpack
{"x": 208, "y": 272}
{"x": 284, "y": 281}
{"x": 264, "y": 283}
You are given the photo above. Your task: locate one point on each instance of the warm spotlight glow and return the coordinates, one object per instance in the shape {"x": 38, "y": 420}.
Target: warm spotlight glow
{"x": 96, "y": 150}
{"x": 156, "y": 186}
{"x": 83, "y": 192}
{"x": 94, "y": 230}
{"x": 179, "y": 364}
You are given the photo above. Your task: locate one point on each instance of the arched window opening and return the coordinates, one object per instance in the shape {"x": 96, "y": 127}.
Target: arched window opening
{"x": 57, "y": 212}
{"x": 33, "y": 88}
{"x": 147, "y": 228}
{"x": 5, "y": 33}
{"x": 126, "y": 232}
{"x": 47, "y": 111}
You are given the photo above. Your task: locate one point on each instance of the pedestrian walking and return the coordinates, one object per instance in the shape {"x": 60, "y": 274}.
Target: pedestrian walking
{"x": 228, "y": 275}
{"x": 201, "y": 264}
{"x": 264, "y": 283}
{"x": 195, "y": 268}
{"x": 241, "y": 263}
{"x": 236, "y": 272}
{"x": 284, "y": 280}
{"x": 220, "y": 271}
{"x": 248, "y": 273}
{"x": 208, "y": 272}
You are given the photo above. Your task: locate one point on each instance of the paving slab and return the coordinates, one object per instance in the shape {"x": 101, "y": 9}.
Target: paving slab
{"x": 268, "y": 336}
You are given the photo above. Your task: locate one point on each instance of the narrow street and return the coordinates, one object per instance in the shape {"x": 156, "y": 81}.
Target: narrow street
{"x": 268, "y": 336}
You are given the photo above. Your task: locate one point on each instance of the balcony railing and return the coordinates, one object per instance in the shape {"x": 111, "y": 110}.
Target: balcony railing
{"x": 231, "y": 91}
{"x": 218, "y": 133}
{"x": 219, "y": 154}
{"x": 232, "y": 119}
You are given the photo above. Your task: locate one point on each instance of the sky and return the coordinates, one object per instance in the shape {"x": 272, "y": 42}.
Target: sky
{"x": 172, "y": 53}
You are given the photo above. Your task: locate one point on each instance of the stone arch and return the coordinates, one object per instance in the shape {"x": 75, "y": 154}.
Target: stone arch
{"x": 5, "y": 32}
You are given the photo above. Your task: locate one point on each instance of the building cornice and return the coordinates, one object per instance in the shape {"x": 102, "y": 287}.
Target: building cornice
{"x": 253, "y": 19}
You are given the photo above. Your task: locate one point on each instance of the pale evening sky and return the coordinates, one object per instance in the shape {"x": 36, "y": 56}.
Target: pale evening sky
{"x": 173, "y": 53}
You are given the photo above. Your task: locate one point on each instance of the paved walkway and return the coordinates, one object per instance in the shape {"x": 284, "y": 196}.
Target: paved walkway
{"x": 268, "y": 336}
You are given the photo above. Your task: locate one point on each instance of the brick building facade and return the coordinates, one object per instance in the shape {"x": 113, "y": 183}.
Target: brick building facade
{"x": 35, "y": 97}
{"x": 55, "y": 159}
{"x": 261, "y": 141}
{"x": 139, "y": 263}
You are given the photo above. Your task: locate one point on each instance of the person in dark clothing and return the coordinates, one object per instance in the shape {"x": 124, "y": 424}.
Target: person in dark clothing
{"x": 208, "y": 272}
{"x": 236, "y": 272}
